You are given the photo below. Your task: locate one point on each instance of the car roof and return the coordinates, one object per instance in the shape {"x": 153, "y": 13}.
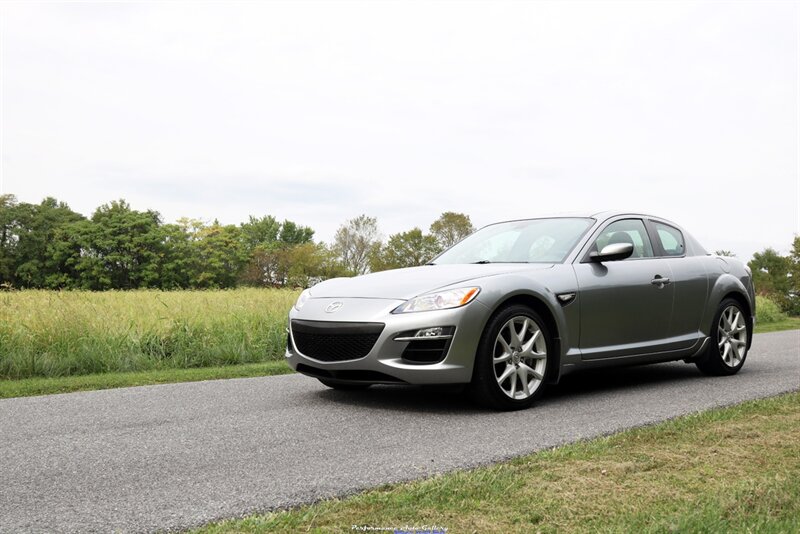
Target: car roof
{"x": 602, "y": 215}
{"x": 599, "y": 215}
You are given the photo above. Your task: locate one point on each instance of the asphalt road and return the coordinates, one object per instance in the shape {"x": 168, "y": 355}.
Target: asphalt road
{"x": 179, "y": 455}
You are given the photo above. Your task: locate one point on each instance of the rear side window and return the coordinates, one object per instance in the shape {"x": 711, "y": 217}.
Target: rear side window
{"x": 671, "y": 239}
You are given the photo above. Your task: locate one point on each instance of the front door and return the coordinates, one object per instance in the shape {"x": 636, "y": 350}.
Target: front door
{"x": 626, "y": 305}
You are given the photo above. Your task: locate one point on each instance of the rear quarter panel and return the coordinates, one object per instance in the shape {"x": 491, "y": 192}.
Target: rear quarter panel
{"x": 727, "y": 276}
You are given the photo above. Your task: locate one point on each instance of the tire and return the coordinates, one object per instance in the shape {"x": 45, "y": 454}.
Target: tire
{"x": 727, "y": 349}
{"x": 496, "y": 359}
{"x": 343, "y": 386}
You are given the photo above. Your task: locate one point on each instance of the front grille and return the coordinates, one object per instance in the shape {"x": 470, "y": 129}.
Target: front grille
{"x": 335, "y": 342}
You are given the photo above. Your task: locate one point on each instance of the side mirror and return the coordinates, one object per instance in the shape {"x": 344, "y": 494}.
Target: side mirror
{"x": 613, "y": 252}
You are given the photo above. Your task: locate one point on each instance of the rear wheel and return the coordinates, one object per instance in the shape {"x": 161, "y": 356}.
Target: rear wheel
{"x": 511, "y": 362}
{"x": 343, "y": 386}
{"x": 727, "y": 350}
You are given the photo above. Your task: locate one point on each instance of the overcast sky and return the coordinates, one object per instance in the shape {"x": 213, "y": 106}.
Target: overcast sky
{"x": 318, "y": 112}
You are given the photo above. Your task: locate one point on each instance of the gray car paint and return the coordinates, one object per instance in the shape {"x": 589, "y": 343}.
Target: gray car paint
{"x": 617, "y": 316}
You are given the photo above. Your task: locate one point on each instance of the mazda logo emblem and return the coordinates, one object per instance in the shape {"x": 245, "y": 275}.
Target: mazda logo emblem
{"x": 334, "y": 306}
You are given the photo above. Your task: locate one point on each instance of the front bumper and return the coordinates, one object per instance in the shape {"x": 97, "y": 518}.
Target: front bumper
{"x": 384, "y": 363}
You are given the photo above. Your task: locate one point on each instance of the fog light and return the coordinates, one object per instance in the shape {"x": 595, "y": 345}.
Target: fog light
{"x": 433, "y": 332}
{"x": 430, "y": 332}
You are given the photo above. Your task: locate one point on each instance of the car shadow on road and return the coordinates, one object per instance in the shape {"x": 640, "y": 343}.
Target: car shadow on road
{"x": 587, "y": 382}
{"x": 413, "y": 399}
{"x": 454, "y": 401}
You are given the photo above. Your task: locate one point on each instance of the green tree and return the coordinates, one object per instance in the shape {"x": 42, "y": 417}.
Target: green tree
{"x": 294, "y": 234}
{"x": 180, "y": 255}
{"x": 8, "y": 238}
{"x": 794, "y": 257}
{"x": 310, "y": 263}
{"x": 67, "y": 252}
{"x": 221, "y": 256}
{"x": 269, "y": 247}
{"x": 120, "y": 248}
{"x": 355, "y": 241}
{"x": 260, "y": 231}
{"x": 40, "y": 257}
{"x": 793, "y": 306}
{"x": 772, "y": 276}
{"x": 264, "y": 267}
{"x": 406, "y": 249}
{"x": 450, "y": 228}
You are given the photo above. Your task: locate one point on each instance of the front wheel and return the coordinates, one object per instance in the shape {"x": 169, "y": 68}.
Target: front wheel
{"x": 511, "y": 361}
{"x": 727, "y": 350}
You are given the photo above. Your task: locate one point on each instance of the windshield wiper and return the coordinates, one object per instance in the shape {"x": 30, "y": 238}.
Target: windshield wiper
{"x": 480, "y": 262}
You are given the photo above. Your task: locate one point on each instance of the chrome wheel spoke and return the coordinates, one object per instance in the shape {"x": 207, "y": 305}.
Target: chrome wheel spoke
{"x": 527, "y": 347}
{"x": 524, "y": 330}
{"x": 529, "y": 371}
{"x": 523, "y": 378}
{"x": 502, "y": 358}
{"x": 515, "y": 340}
{"x": 510, "y": 369}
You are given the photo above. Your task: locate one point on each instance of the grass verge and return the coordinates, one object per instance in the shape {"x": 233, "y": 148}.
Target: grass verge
{"x": 787, "y": 323}
{"x": 44, "y": 386}
{"x": 735, "y": 469}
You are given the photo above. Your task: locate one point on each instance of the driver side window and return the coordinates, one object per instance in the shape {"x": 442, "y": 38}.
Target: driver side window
{"x": 626, "y": 231}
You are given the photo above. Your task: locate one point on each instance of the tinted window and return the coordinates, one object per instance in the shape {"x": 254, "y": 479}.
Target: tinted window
{"x": 626, "y": 231}
{"x": 531, "y": 241}
{"x": 671, "y": 239}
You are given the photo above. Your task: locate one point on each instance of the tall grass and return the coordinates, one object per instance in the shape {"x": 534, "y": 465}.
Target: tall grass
{"x": 767, "y": 311}
{"x": 61, "y": 333}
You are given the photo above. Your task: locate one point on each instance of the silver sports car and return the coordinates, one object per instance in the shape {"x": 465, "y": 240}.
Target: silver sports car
{"x": 519, "y": 304}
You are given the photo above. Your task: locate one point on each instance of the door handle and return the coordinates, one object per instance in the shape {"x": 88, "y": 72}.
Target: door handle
{"x": 659, "y": 281}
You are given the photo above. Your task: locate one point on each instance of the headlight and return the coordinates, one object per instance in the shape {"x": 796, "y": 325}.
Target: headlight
{"x": 441, "y": 300}
{"x": 304, "y": 296}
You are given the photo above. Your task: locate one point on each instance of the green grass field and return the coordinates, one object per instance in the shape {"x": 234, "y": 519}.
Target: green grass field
{"x": 786, "y": 323}
{"x": 729, "y": 470}
{"x": 68, "y": 333}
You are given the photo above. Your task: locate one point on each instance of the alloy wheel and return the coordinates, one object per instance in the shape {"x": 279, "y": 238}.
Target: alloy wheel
{"x": 732, "y": 336}
{"x": 520, "y": 357}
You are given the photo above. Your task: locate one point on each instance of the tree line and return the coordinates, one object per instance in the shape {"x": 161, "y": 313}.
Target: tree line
{"x": 778, "y": 277}
{"x": 50, "y": 246}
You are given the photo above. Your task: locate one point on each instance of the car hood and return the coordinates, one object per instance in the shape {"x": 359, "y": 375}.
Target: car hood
{"x": 403, "y": 284}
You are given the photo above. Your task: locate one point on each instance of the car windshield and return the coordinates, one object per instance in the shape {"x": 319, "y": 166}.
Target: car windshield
{"x": 529, "y": 241}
